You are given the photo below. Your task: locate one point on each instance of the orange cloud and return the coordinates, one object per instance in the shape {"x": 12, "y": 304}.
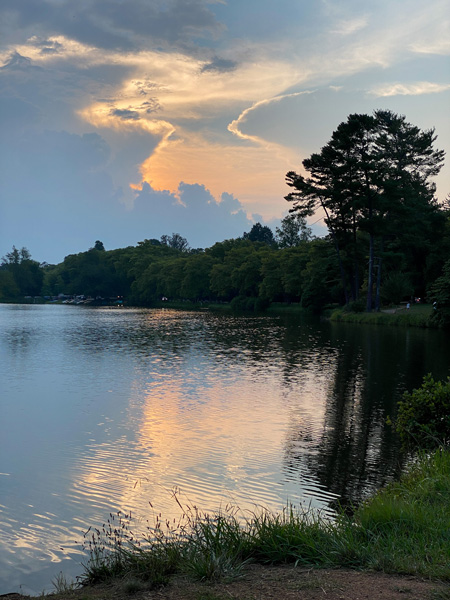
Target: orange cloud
{"x": 253, "y": 173}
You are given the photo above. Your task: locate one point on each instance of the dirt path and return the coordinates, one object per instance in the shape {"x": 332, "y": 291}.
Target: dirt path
{"x": 276, "y": 583}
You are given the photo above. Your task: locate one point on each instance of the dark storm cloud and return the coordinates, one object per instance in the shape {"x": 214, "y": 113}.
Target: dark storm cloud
{"x": 109, "y": 24}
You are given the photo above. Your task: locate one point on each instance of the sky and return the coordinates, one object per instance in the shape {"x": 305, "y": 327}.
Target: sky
{"x": 123, "y": 120}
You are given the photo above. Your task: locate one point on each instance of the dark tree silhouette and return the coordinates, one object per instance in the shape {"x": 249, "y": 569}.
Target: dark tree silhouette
{"x": 373, "y": 175}
{"x": 176, "y": 241}
{"x": 260, "y": 233}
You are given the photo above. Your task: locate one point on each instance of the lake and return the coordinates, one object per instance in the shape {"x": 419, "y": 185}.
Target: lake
{"x": 113, "y": 409}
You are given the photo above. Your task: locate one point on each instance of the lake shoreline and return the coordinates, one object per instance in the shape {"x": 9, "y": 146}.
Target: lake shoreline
{"x": 418, "y": 315}
{"x": 398, "y": 316}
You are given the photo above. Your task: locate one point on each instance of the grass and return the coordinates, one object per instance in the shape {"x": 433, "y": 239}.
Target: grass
{"x": 62, "y": 585}
{"x": 417, "y": 316}
{"x": 404, "y": 528}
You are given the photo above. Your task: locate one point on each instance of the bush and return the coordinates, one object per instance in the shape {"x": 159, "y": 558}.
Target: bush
{"x": 356, "y": 306}
{"x": 423, "y": 418}
{"x": 395, "y": 288}
{"x": 440, "y": 294}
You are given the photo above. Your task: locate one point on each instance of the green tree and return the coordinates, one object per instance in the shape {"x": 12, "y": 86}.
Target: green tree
{"x": 171, "y": 277}
{"x": 176, "y": 241}
{"x": 423, "y": 418}
{"x": 147, "y": 286}
{"x": 25, "y": 275}
{"x": 8, "y": 287}
{"x": 246, "y": 277}
{"x": 239, "y": 274}
{"x": 321, "y": 284}
{"x": 293, "y": 263}
{"x": 396, "y": 287}
{"x": 293, "y": 231}
{"x": 372, "y": 177}
{"x": 440, "y": 295}
{"x": 195, "y": 284}
{"x": 95, "y": 273}
{"x": 271, "y": 286}
{"x": 260, "y": 233}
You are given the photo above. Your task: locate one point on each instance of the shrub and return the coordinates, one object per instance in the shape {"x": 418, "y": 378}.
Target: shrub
{"x": 423, "y": 418}
{"x": 396, "y": 287}
{"x": 356, "y": 306}
{"x": 440, "y": 293}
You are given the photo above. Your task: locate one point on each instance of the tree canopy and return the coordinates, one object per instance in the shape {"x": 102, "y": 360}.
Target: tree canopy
{"x": 260, "y": 233}
{"x": 372, "y": 181}
{"x": 20, "y": 275}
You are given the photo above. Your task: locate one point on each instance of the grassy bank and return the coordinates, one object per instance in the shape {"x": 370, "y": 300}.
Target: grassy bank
{"x": 417, "y": 316}
{"x": 404, "y": 529}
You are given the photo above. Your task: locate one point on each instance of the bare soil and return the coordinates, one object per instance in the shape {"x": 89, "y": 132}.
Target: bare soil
{"x": 273, "y": 583}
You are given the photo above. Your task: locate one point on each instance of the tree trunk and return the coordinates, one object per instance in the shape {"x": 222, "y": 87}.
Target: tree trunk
{"x": 380, "y": 263}
{"x": 355, "y": 262}
{"x": 336, "y": 245}
{"x": 341, "y": 266}
{"x": 370, "y": 277}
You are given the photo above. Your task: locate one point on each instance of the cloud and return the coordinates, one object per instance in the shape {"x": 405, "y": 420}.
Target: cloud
{"x": 61, "y": 196}
{"x": 409, "y": 89}
{"x": 350, "y": 26}
{"x": 16, "y": 115}
{"x": 110, "y": 24}
{"x": 251, "y": 172}
{"x": 55, "y": 191}
{"x": 220, "y": 65}
{"x": 236, "y": 125}
{"x": 192, "y": 211}
{"x": 125, "y": 113}
{"x": 46, "y": 46}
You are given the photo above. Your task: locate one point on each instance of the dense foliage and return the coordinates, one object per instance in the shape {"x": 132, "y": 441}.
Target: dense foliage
{"x": 440, "y": 294}
{"x": 423, "y": 418}
{"x": 250, "y": 274}
{"x": 20, "y": 276}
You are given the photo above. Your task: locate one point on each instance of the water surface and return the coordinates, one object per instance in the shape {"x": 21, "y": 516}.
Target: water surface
{"x": 108, "y": 409}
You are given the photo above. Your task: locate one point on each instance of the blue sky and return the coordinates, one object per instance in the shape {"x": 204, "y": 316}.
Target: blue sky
{"x": 125, "y": 120}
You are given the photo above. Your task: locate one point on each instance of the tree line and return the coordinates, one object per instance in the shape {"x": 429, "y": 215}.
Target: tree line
{"x": 388, "y": 238}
